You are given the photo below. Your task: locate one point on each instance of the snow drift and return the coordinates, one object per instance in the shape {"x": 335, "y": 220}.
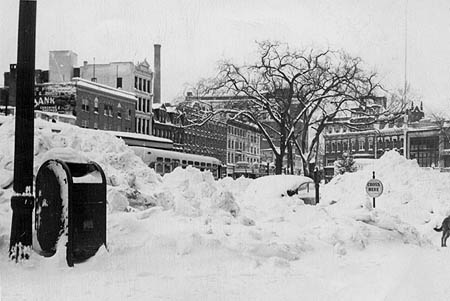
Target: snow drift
{"x": 187, "y": 213}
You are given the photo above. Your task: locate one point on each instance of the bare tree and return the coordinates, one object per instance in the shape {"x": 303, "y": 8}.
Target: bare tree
{"x": 287, "y": 91}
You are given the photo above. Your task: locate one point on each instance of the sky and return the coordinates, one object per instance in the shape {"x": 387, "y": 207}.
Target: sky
{"x": 196, "y": 34}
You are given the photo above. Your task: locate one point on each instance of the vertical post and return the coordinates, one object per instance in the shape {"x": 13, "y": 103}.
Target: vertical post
{"x": 22, "y": 201}
{"x": 373, "y": 177}
{"x": 317, "y": 183}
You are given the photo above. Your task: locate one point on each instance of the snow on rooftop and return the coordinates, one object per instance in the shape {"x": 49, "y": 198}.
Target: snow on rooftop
{"x": 104, "y": 88}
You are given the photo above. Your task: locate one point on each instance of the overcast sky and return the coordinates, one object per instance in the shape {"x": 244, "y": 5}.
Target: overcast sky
{"x": 196, "y": 34}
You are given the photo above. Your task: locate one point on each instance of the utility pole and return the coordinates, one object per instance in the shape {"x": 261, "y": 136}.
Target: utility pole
{"x": 22, "y": 201}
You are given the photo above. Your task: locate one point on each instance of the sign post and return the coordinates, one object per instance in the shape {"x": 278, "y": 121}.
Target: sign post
{"x": 374, "y": 188}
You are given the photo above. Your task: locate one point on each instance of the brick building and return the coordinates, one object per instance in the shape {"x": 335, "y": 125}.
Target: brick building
{"x": 168, "y": 123}
{"x": 209, "y": 139}
{"x": 94, "y": 105}
{"x": 134, "y": 78}
{"x": 369, "y": 138}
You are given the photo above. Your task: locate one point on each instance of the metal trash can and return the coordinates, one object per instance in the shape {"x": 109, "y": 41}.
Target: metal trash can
{"x": 70, "y": 200}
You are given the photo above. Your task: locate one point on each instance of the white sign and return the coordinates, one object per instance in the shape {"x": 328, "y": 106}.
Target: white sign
{"x": 374, "y": 188}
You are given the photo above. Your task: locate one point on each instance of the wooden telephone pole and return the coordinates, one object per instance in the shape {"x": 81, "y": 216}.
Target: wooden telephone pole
{"x": 22, "y": 201}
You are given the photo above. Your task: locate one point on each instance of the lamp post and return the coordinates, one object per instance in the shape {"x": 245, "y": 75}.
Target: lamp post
{"x": 22, "y": 201}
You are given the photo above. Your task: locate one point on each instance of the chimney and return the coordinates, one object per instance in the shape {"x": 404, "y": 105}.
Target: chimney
{"x": 157, "y": 78}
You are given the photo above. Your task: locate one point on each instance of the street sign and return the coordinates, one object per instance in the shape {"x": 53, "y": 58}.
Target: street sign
{"x": 374, "y": 188}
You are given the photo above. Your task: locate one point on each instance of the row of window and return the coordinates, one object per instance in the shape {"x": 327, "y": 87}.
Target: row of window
{"x": 108, "y": 109}
{"x": 143, "y": 126}
{"x": 142, "y": 84}
{"x": 106, "y": 126}
{"x": 362, "y": 145}
{"x": 240, "y": 145}
{"x": 165, "y": 133}
{"x": 143, "y": 105}
{"x": 233, "y": 158}
{"x": 240, "y": 132}
{"x": 344, "y": 129}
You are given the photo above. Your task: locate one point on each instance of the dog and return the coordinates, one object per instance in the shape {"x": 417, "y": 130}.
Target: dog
{"x": 445, "y": 229}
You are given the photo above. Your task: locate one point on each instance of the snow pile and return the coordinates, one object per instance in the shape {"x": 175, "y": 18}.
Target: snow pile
{"x": 186, "y": 220}
{"x": 73, "y": 144}
{"x": 413, "y": 200}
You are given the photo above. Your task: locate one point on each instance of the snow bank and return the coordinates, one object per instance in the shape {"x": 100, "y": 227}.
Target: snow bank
{"x": 415, "y": 196}
{"x": 159, "y": 224}
{"x": 253, "y": 217}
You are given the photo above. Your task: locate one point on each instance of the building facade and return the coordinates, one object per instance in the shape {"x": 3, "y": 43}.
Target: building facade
{"x": 243, "y": 143}
{"x": 208, "y": 139}
{"x": 130, "y": 77}
{"x": 369, "y": 138}
{"x": 94, "y": 105}
{"x": 168, "y": 122}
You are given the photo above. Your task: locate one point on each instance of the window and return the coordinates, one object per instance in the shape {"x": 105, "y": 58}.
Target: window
{"x": 370, "y": 143}
{"x": 84, "y": 123}
{"x": 119, "y": 115}
{"x": 148, "y": 86}
{"x": 96, "y": 105}
{"x": 144, "y": 84}
{"x": 135, "y": 82}
{"x": 140, "y": 84}
{"x": 85, "y": 105}
{"x": 119, "y": 82}
{"x": 362, "y": 145}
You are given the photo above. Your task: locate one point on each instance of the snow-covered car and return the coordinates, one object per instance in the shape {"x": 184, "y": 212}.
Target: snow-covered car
{"x": 305, "y": 191}
{"x": 283, "y": 185}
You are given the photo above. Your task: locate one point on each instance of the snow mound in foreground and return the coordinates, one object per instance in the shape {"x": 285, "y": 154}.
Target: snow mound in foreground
{"x": 188, "y": 211}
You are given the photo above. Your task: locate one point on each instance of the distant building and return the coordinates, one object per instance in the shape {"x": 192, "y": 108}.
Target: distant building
{"x": 207, "y": 140}
{"x": 365, "y": 137}
{"x": 94, "y": 105}
{"x": 8, "y": 97}
{"x": 135, "y": 78}
{"x": 242, "y": 141}
{"x": 168, "y": 123}
{"x": 61, "y": 65}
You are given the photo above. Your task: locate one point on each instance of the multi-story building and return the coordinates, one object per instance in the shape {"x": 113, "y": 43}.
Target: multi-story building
{"x": 209, "y": 139}
{"x": 369, "y": 138}
{"x": 8, "y": 96}
{"x": 242, "y": 140}
{"x": 168, "y": 123}
{"x": 94, "y": 105}
{"x": 134, "y": 78}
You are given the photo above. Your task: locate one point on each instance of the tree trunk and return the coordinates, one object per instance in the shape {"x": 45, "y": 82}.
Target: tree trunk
{"x": 290, "y": 158}
{"x": 278, "y": 164}
{"x": 305, "y": 168}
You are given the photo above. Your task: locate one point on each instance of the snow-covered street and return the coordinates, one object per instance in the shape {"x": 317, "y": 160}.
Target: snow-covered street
{"x": 185, "y": 236}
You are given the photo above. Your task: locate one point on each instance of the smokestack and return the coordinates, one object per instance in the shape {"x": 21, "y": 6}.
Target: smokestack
{"x": 157, "y": 78}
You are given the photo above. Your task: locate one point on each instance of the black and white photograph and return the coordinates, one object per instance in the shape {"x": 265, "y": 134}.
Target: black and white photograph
{"x": 194, "y": 150}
